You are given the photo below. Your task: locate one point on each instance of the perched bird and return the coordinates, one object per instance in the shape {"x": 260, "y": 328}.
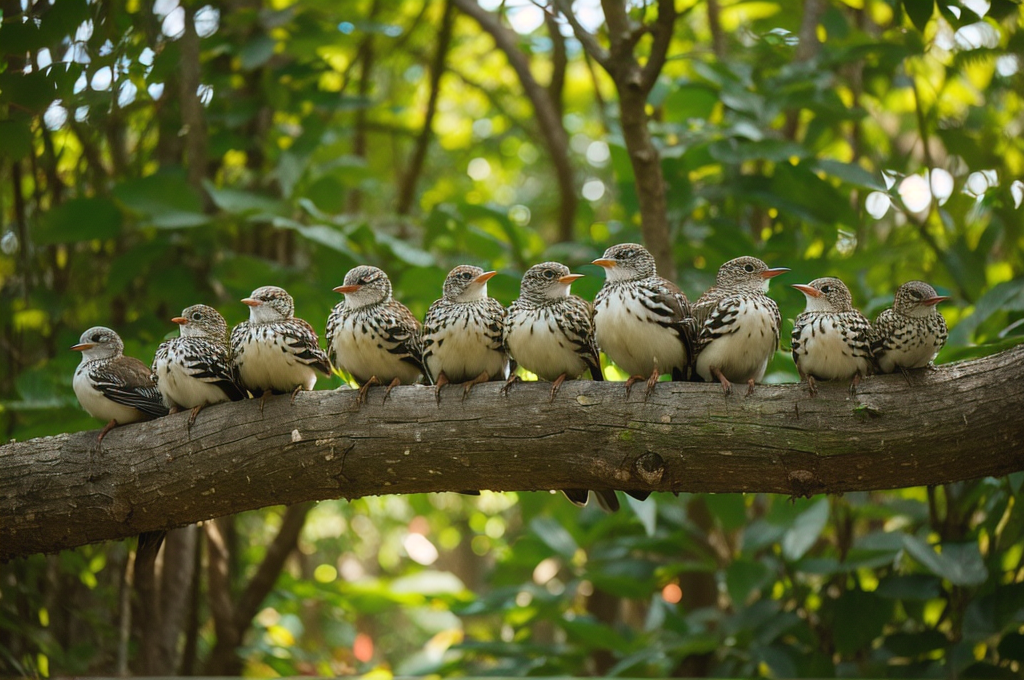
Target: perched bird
{"x": 831, "y": 339}
{"x": 737, "y": 324}
{"x": 195, "y": 370}
{"x": 371, "y": 335}
{"x": 911, "y": 333}
{"x": 111, "y": 386}
{"x": 273, "y": 351}
{"x": 461, "y": 338}
{"x": 551, "y": 333}
{"x": 642, "y": 321}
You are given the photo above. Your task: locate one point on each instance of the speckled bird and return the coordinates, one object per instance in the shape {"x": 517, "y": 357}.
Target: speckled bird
{"x": 111, "y": 386}
{"x": 275, "y": 352}
{"x": 371, "y": 335}
{"x": 911, "y": 333}
{"x": 550, "y": 332}
{"x": 461, "y": 337}
{"x": 195, "y": 369}
{"x": 642, "y": 321}
{"x": 831, "y": 339}
{"x": 737, "y": 324}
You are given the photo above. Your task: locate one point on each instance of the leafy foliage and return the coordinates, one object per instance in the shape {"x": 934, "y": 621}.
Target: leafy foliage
{"x": 776, "y": 139}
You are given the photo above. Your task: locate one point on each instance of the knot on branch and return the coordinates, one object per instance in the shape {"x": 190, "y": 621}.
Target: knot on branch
{"x": 805, "y": 483}
{"x": 650, "y": 468}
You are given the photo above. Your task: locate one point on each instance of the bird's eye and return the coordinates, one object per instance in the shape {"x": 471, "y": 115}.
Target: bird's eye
{"x": 465, "y": 275}
{"x": 749, "y": 268}
{"x": 97, "y": 337}
{"x": 548, "y": 274}
{"x": 915, "y": 294}
{"x": 196, "y": 316}
{"x": 826, "y": 289}
{"x": 628, "y": 253}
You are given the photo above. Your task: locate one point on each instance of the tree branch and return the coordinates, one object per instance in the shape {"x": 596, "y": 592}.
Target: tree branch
{"x": 957, "y": 422}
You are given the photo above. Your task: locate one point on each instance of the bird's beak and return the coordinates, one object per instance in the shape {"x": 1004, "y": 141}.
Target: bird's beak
{"x": 82, "y": 346}
{"x": 180, "y": 320}
{"x": 932, "y": 301}
{"x": 808, "y": 290}
{"x": 483, "y": 278}
{"x": 345, "y": 290}
{"x": 251, "y": 302}
{"x": 607, "y": 264}
{"x": 772, "y": 273}
{"x": 569, "y": 278}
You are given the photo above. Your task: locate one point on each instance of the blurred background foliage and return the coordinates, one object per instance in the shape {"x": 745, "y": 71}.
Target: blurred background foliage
{"x": 158, "y": 154}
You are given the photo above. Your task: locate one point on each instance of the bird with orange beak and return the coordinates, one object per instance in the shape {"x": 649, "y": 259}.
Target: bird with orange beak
{"x": 111, "y": 386}
{"x": 462, "y": 332}
{"x": 911, "y": 333}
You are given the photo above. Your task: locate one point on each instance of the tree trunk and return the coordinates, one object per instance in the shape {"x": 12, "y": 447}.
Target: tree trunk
{"x": 953, "y": 423}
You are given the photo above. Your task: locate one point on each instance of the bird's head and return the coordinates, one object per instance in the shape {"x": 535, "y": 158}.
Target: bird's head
{"x": 627, "y": 262}
{"x": 99, "y": 342}
{"x": 365, "y": 285}
{"x": 917, "y": 298}
{"x": 202, "y": 321}
{"x": 269, "y": 304}
{"x": 747, "y": 273}
{"x": 827, "y": 294}
{"x": 466, "y": 283}
{"x": 547, "y": 281}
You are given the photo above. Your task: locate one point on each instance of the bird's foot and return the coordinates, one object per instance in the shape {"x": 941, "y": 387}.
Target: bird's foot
{"x": 174, "y": 409}
{"x": 263, "y": 400}
{"x": 633, "y": 379}
{"x": 651, "y": 382}
{"x": 192, "y": 416}
{"x": 103, "y": 433}
{"x": 750, "y": 387}
{"x": 295, "y": 392}
{"x": 856, "y": 381}
{"x": 441, "y": 381}
{"x": 361, "y": 397}
{"x": 726, "y": 385}
{"x": 811, "y": 387}
{"x": 512, "y": 380}
{"x": 394, "y": 383}
{"x": 482, "y": 378}
{"x": 555, "y": 386}
{"x": 906, "y": 374}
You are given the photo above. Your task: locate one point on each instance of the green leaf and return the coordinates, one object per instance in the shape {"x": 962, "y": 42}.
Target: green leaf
{"x": 1006, "y": 296}
{"x": 858, "y": 618}
{"x": 775, "y": 150}
{"x": 850, "y": 173}
{"x": 730, "y": 509}
{"x": 959, "y": 563}
{"x": 555, "y": 536}
{"x": 743, "y": 577}
{"x": 805, "y": 530}
{"x": 15, "y": 137}
{"x": 166, "y": 198}
{"x": 80, "y": 219}
{"x": 240, "y": 202}
{"x": 690, "y": 101}
{"x": 921, "y": 587}
{"x": 919, "y": 11}
{"x": 646, "y": 511}
{"x": 915, "y": 644}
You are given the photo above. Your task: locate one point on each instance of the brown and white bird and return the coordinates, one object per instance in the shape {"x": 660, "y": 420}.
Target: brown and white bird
{"x": 195, "y": 370}
{"x": 461, "y": 337}
{"x": 111, "y": 386}
{"x": 831, "y": 339}
{"x": 911, "y": 333}
{"x": 737, "y": 324}
{"x": 371, "y": 335}
{"x": 550, "y": 332}
{"x": 642, "y": 321}
{"x": 274, "y": 351}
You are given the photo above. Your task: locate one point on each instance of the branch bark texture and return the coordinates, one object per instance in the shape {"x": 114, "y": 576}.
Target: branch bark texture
{"x": 958, "y": 422}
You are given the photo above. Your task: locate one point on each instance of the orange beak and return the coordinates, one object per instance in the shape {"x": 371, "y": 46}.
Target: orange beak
{"x": 607, "y": 264}
{"x": 345, "y": 290}
{"x": 808, "y": 290}
{"x": 932, "y": 301}
{"x": 483, "y": 278}
{"x": 251, "y": 302}
{"x": 180, "y": 320}
{"x": 81, "y": 347}
{"x": 569, "y": 278}
{"x": 772, "y": 273}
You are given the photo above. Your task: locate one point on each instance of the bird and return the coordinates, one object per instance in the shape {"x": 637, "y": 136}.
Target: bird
{"x": 831, "y": 339}
{"x": 111, "y": 386}
{"x": 195, "y": 369}
{"x": 275, "y": 352}
{"x": 461, "y": 339}
{"x": 911, "y": 333}
{"x": 550, "y": 332}
{"x": 737, "y": 324}
{"x": 642, "y": 321}
{"x": 371, "y": 335}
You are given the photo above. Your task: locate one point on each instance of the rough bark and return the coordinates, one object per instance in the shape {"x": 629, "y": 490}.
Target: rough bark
{"x": 960, "y": 421}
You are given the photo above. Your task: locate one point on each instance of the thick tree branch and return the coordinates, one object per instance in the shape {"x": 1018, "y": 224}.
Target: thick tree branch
{"x": 960, "y": 421}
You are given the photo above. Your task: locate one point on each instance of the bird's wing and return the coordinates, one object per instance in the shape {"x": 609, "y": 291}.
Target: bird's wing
{"x": 577, "y": 324}
{"x": 211, "y": 362}
{"x": 126, "y": 381}
{"x": 677, "y": 314}
{"x": 304, "y": 344}
{"x": 402, "y": 333}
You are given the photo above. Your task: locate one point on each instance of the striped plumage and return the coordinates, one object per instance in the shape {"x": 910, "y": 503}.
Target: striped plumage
{"x": 274, "y": 351}
{"x": 911, "y": 333}
{"x": 111, "y": 386}
{"x": 642, "y": 321}
{"x": 550, "y": 332}
{"x": 831, "y": 339}
{"x": 195, "y": 370}
{"x": 737, "y": 324}
{"x": 371, "y": 335}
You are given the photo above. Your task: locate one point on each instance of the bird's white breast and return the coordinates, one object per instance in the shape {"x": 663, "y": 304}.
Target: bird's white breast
{"x": 362, "y": 351}
{"x": 178, "y": 388}
{"x": 265, "y": 363}
{"x": 827, "y": 355}
{"x": 97, "y": 405}
{"x": 743, "y": 354}
{"x": 630, "y": 336}
{"x": 538, "y": 345}
{"x": 463, "y": 352}
{"x": 911, "y": 349}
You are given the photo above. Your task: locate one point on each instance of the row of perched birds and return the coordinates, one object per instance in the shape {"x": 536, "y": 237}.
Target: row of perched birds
{"x": 643, "y": 323}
